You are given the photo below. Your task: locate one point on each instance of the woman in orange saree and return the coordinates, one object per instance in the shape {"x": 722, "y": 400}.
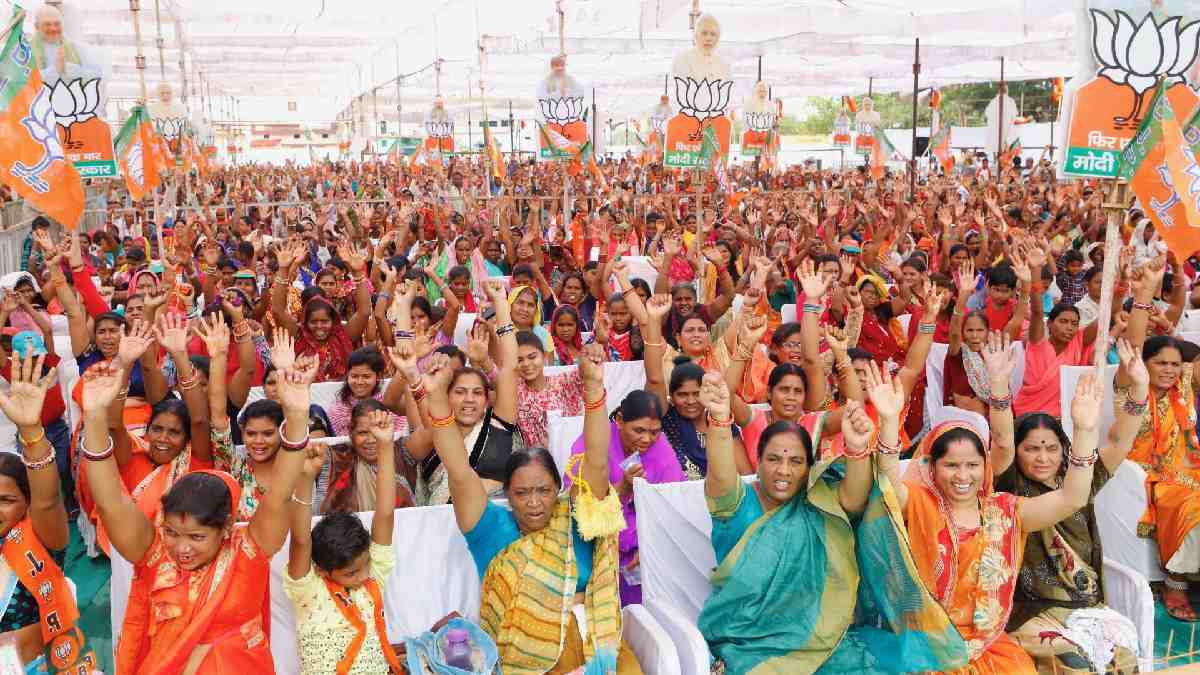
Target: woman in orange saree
{"x": 199, "y": 602}
{"x": 967, "y": 540}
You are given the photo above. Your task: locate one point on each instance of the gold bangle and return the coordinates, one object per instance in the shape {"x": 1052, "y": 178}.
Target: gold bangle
{"x": 29, "y": 443}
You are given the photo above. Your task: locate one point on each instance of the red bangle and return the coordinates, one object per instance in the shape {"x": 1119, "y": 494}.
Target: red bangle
{"x": 714, "y": 422}
{"x": 597, "y": 404}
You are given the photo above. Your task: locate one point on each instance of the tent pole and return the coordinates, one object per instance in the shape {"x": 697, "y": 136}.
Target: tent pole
{"x": 399, "y": 100}
{"x": 512, "y": 144}
{"x": 870, "y": 86}
{"x": 759, "y": 68}
{"x": 162, "y": 66}
{"x": 912, "y": 161}
{"x": 134, "y": 8}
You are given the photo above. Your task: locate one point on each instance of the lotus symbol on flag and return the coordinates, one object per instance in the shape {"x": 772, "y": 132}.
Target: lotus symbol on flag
{"x": 704, "y": 99}
{"x": 170, "y": 127}
{"x": 41, "y": 127}
{"x": 74, "y": 103}
{"x": 760, "y": 121}
{"x": 562, "y": 110}
{"x": 134, "y": 164}
{"x": 439, "y": 129}
{"x": 1136, "y": 55}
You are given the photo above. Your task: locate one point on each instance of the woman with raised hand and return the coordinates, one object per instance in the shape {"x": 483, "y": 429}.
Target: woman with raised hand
{"x": 967, "y": 538}
{"x": 539, "y": 562}
{"x": 1060, "y": 589}
{"x": 199, "y": 600}
{"x": 488, "y": 431}
{"x": 38, "y": 612}
{"x": 786, "y": 548}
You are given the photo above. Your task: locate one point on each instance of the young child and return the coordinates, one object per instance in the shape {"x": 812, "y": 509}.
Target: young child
{"x": 336, "y": 573}
{"x": 998, "y": 304}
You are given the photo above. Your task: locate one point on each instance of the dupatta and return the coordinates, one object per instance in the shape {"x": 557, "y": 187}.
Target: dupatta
{"x": 973, "y": 574}
{"x": 170, "y": 617}
{"x": 808, "y": 568}
{"x": 332, "y": 353}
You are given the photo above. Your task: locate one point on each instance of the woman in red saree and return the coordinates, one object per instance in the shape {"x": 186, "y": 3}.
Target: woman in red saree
{"x": 967, "y": 540}
{"x": 200, "y": 596}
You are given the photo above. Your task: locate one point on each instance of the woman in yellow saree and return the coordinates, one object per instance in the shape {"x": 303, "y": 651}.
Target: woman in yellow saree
{"x": 553, "y": 557}
{"x": 968, "y": 539}
{"x": 786, "y": 549}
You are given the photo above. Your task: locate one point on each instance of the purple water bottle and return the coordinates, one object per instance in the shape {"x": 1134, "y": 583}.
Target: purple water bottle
{"x": 458, "y": 650}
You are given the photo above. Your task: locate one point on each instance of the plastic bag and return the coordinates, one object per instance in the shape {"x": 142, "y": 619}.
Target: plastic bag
{"x": 425, "y": 651}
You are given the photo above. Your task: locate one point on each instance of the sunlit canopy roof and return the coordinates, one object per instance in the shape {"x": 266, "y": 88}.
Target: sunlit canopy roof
{"x": 322, "y": 54}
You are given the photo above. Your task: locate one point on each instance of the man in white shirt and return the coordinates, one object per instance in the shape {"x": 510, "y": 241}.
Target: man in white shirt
{"x": 57, "y": 58}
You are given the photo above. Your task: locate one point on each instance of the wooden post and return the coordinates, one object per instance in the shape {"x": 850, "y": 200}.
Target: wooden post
{"x": 1115, "y": 208}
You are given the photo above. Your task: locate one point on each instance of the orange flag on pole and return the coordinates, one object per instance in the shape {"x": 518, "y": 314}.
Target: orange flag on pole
{"x": 135, "y": 147}
{"x": 31, "y": 157}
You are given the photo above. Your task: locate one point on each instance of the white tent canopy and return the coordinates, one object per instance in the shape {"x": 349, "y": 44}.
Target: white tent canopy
{"x": 321, "y": 54}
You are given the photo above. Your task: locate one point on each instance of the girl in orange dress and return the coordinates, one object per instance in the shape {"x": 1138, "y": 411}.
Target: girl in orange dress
{"x": 967, "y": 540}
{"x": 199, "y": 602}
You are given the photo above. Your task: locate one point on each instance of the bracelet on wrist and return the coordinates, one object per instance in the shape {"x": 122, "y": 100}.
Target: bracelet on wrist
{"x": 927, "y": 328}
{"x": 38, "y": 439}
{"x": 810, "y": 308}
{"x": 442, "y": 422}
{"x": 301, "y": 501}
{"x": 1144, "y": 306}
{"x": 721, "y": 424}
{"x": 1081, "y": 462}
{"x": 507, "y": 328}
{"x": 885, "y": 449}
{"x": 1001, "y": 403}
{"x": 38, "y": 464}
{"x": 95, "y": 456}
{"x": 292, "y": 446}
{"x": 1134, "y": 408}
{"x": 597, "y": 404}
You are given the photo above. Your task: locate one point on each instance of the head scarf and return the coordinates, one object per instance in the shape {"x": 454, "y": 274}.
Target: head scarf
{"x": 516, "y": 293}
{"x": 334, "y": 352}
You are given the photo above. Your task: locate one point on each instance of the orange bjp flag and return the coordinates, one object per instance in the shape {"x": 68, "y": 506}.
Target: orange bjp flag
{"x": 136, "y": 155}
{"x": 31, "y": 156}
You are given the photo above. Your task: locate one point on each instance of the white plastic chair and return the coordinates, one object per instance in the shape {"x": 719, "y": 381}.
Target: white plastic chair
{"x": 1119, "y": 506}
{"x": 788, "y": 313}
{"x": 434, "y": 575}
{"x": 563, "y": 432}
{"x": 1128, "y": 593}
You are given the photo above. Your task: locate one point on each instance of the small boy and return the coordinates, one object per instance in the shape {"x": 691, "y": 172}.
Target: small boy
{"x": 1070, "y": 277}
{"x": 998, "y": 305}
{"x": 336, "y": 574}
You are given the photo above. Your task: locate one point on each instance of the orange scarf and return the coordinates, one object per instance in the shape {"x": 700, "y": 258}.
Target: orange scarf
{"x": 345, "y": 604}
{"x": 66, "y": 647}
{"x": 170, "y": 618}
{"x": 973, "y": 574}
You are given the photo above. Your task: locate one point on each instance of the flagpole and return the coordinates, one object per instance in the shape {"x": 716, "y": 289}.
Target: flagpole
{"x": 1000, "y": 125}
{"x": 162, "y": 66}
{"x": 1115, "y": 210}
{"x": 134, "y": 8}
{"x": 912, "y": 161}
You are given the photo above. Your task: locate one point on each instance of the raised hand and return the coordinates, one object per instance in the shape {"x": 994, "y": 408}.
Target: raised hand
{"x": 171, "y": 332}
{"x": 714, "y": 396}
{"x": 438, "y": 375}
{"x": 404, "y": 360}
{"x": 600, "y": 327}
{"x": 294, "y": 385}
{"x": 382, "y": 428}
{"x": 886, "y": 392}
{"x": 753, "y": 328}
{"x": 315, "y": 457}
{"x": 215, "y": 334}
{"x": 135, "y": 340}
{"x": 494, "y": 291}
{"x": 477, "y": 343}
{"x": 999, "y": 356}
{"x": 23, "y": 402}
{"x": 283, "y": 351}
{"x": 1132, "y": 362}
{"x": 836, "y": 339}
{"x": 1085, "y": 406}
{"x": 658, "y": 306}
{"x": 812, "y": 282}
{"x": 591, "y": 365}
{"x": 853, "y": 297}
{"x": 857, "y": 426}
{"x": 101, "y": 385}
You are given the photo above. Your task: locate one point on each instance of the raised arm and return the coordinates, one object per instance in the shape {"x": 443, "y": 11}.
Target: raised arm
{"x": 22, "y": 405}
{"x": 918, "y": 351}
{"x": 128, "y": 528}
{"x": 466, "y": 487}
{"x": 814, "y": 285}
{"x": 243, "y": 340}
{"x": 1129, "y": 414}
{"x": 595, "y": 422}
{"x": 270, "y": 523}
{"x": 215, "y": 334}
{"x": 722, "y": 473}
{"x": 1001, "y": 360}
{"x": 384, "y": 518}
{"x": 300, "y": 513}
{"x": 652, "y": 358}
{"x": 172, "y": 333}
{"x": 286, "y": 256}
{"x": 887, "y": 395}
{"x": 506, "y": 356}
{"x": 1145, "y": 281}
{"x": 362, "y": 294}
{"x": 1038, "y": 513}
{"x": 750, "y": 331}
{"x": 965, "y": 280}
{"x": 857, "y": 428}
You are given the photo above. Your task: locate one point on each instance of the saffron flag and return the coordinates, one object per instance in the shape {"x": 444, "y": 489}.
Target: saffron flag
{"x": 1161, "y": 168}
{"x": 493, "y": 150}
{"x": 710, "y": 148}
{"x": 32, "y": 161}
{"x": 882, "y": 150}
{"x": 939, "y": 143}
{"x": 136, "y": 154}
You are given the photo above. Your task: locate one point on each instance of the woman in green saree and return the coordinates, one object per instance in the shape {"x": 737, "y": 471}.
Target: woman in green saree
{"x": 788, "y": 540}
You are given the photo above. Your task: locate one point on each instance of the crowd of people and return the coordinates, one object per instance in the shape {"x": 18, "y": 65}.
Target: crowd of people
{"x": 200, "y": 323}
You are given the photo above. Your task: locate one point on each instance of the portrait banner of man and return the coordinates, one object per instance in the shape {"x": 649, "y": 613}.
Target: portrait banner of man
{"x": 439, "y": 129}
{"x": 760, "y": 116}
{"x": 170, "y": 119}
{"x": 560, "y": 100}
{"x": 865, "y": 121}
{"x": 74, "y": 74}
{"x": 703, "y": 84}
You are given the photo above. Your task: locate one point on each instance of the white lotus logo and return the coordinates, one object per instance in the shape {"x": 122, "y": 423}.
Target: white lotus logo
{"x": 439, "y": 129}
{"x": 562, "y": 110}
{"x": 704, "y": 99}
{"x": 170, "y": 127}
{"x": 74, "y": 103}
{"x": 1137, "y": 55}
{"x": 760, "y": 121}
{"x": 133, "y": 164}
{"x": 659, "y": 125}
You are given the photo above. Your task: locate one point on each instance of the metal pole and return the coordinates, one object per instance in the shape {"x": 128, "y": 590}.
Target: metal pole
{"x": 183, "y": 80}
{"x": 759, "y": 68}
{"x": 512, "y": 144}
{"x": 1000, "y": 125}
{"x": 162, "y": 66}
{"x": 399, "y": 81}
{"x": 594, "y": 121}
{"x": 375, "y": 130}
{"x": 870, "y": 86}
{"x": 134, "y": 8}
{"x": 912, "y": 161}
